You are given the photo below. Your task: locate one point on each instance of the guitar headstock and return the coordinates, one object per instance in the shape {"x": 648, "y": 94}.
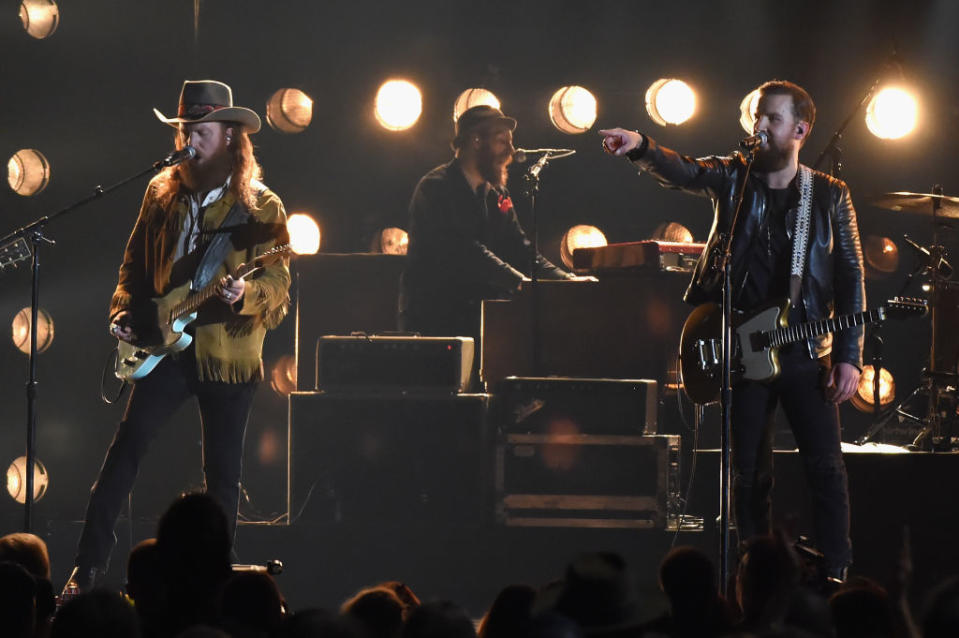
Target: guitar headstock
{"x": 14, "y": 252}
{"x": 905, "y": 307}
{"x": 271, "y": 256}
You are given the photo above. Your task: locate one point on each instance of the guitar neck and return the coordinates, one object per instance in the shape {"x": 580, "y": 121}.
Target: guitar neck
{"x": 194, "y": 301}
{"x": 810, "y": 329}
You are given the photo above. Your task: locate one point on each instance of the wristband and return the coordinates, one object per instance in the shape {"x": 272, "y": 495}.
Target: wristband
{"x": 639, "y": 151}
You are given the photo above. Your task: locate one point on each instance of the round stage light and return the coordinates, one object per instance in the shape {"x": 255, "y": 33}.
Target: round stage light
{"x": 670, "y": 101}
{"x": 747, "y": 110}
{"x": 572, "y": 109}
{"x": 304, "y": 234}
{"x": 579, "y": 236}
{"x": 863, "y": 399}
{"x": 398, "y": 105}
{"x": 892, "y": 113}
{"x": 28, "y": 172}
{"x": 39, "y": 17}
{"x": 17, "y": 479}
{"x": 283, "y": 375}
{"x": 473, "y": 97}
{"x": 21, "y": 330}
{"x": 673, "y": 231}
{"x": 882, "y": 254}
{"x": 289, "y": 111}
{"x": 391, "y": 241}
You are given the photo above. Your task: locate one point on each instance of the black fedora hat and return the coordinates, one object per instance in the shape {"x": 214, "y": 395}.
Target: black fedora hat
{"x": 481, "y": 116}
{"x": 210, "y": 101}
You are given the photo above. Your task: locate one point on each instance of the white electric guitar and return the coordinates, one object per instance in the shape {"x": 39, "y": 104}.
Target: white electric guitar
{"x": 757, "y": 338}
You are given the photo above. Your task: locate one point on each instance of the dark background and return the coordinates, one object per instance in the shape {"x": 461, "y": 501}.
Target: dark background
{"x": 83, "y": 97}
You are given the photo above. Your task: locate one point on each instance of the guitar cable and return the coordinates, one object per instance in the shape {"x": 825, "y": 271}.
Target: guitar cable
{"x": 108, "y": 364}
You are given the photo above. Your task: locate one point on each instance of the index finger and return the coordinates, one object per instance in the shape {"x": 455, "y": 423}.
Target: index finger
{"x": 606, "y": 132}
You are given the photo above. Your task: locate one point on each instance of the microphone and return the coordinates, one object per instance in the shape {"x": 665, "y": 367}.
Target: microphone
{"x": 753, "y": 142}
{"x": 521, "y": 155}
{"x": 175, "y": 157}
{"x": 271, "y": 567}
{"x": 535, "y": 169}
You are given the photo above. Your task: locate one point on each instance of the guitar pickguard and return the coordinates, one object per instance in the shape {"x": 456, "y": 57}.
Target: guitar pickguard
{"x": 758, "y": 361}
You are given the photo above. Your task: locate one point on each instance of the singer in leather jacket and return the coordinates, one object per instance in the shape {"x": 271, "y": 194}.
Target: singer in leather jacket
{"x": 833, "y": 281}
{"x": 815, "y": 376}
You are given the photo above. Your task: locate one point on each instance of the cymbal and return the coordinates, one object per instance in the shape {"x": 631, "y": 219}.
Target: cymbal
{"x": 918, "y": 203}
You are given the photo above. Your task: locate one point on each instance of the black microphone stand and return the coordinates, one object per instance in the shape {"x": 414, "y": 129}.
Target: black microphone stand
{"x": 531, "y": 180}
{"x": 832, "y": 149}
{"x": 33, "y": 233}
{"x": 834, "y": 152}
{"x": 726, "y": 394}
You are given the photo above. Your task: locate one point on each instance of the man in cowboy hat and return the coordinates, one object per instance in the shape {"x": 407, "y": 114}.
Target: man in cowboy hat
{"x": 186, "y": 207}
{"x": 466, "y": 242}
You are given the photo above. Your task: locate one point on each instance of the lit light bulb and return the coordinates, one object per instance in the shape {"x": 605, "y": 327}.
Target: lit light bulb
{"x": 670, "y": 101}
{"x": 304, "y": 234}
{"x": 892, "y": 113}
{"x": 398, "y": 105}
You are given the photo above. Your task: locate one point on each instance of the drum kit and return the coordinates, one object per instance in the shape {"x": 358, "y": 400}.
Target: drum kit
{"x": 936, "y": 417}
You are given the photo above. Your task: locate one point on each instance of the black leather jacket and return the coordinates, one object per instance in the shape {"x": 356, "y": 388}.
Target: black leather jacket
{"x": 833, "y": 279}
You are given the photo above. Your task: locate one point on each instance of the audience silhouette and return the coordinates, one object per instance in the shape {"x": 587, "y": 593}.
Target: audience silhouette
{"x": 181, "y": 584}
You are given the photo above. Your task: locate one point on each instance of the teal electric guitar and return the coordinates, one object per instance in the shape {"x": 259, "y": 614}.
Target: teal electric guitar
{"x": 174, "y": 312}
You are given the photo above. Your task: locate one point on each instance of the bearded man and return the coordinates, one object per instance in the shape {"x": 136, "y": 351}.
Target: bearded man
{"x": 466, "y": 242}
{"x": 817, "y": 266}
{"x": 217, "y": 193}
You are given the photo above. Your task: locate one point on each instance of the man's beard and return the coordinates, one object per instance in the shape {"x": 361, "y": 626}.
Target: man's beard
{"x": 771, "y": 159}
{"x": 199, "y": 175}
{"x": 493, "y": 169}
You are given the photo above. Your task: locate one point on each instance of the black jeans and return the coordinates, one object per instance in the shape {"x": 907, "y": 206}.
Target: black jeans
{"x": 815, "y": 425}
{"x": 224, "y": 410}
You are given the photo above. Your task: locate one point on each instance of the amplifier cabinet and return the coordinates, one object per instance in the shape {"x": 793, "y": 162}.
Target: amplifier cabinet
{"x": 381, "y": 461}
{"x": 541, "y": 405}
{"x": 587, "y": 480}
{"x": 374, "y": 363}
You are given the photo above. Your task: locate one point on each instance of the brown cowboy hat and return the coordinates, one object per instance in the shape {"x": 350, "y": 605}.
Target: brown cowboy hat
{"x": 210, "y": 101}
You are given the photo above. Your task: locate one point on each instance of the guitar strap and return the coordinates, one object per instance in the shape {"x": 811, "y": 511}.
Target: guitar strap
{"x": 218, "y": 247}
{"x": 800, "y": 234}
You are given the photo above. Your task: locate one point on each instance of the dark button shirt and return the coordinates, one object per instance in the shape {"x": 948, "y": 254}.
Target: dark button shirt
{"x": 465, "y": 246}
